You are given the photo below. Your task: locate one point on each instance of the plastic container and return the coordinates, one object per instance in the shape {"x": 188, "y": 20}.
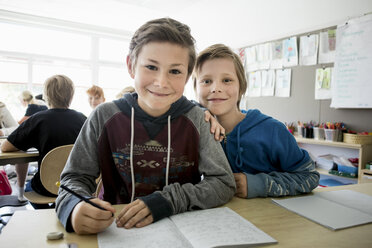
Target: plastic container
{"x": 318, "y": 133}
{"x": 331, "y": 134}
{"x": 347, "y": 169}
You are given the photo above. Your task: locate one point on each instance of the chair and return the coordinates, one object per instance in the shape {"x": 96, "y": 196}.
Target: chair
{"x": 50, "y": 171}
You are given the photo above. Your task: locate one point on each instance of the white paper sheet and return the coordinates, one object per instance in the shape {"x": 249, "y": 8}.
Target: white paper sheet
{"x": 309, "y": 49}
{"x": 283, "y": 83}
{"x": 335, "y": 210}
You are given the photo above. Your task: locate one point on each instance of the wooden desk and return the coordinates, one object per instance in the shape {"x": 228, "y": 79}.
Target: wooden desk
{"x": 18, "y": 157}
{"x": 29, "y": 228}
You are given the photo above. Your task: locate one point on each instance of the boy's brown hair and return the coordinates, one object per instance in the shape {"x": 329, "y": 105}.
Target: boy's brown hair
{"x": 220, "y": 51}
{"x": 163, "y": 30}
{"x": 58, "y": 91}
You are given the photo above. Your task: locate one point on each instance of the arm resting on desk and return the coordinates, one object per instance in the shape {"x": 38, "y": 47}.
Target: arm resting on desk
{"x": 6, "y": 146}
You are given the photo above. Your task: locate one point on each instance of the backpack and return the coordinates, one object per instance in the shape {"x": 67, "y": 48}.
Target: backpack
{"x": 5, "y": 188}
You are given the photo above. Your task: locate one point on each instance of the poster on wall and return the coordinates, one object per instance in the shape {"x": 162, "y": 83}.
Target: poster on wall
{"x": 351, "y": 82}
{"x": 254, "y": 84}
{"x": 276, "y": 55}
{"x": 283, "y": 83}
{"x": 323, "y": 83}
{"x": 327, "y": 46}
{"x": 309, "y": 49}
{"x": 267, "y": 83}
{"x": 251, "y": 59}
{"x": 264, "y": 56}
{"x": 290, "y": 55}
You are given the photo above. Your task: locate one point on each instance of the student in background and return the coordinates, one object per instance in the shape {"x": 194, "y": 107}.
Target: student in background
{"x": 7, "y": 122}
{"x": 128, "y": 89}
{"x": 95, "y": 96}
{"x": 263, "y": 155}
{"x": 46, "y": 130}
{"x": 153, "y": 148}
{"x": 33, "y": 105}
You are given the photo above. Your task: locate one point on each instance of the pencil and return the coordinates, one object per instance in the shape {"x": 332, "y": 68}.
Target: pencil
{"x": 83, "y": 198}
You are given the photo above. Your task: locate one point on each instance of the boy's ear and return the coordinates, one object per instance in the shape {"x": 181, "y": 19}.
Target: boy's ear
{"x": 129, "y": 67}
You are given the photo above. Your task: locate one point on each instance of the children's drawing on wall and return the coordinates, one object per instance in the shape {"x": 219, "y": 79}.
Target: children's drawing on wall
{"x": 264, "y": 56}
{"x": 268, "y": 83}
{"x": 241, "y": 53}
{"x": 251, "y": 58}
{"x": 327, "y": 46}
{"x": 277, "y": 55}
{"x": 309, "y": 49}
{"x": 323, "y": 83}
{"x": 290, "y": 55}
{"x": 283, "y": 83}
{"x": 254, "y": 82}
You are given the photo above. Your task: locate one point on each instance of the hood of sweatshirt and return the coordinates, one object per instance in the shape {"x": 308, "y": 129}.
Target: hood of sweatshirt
{"x": 153, "y": 125}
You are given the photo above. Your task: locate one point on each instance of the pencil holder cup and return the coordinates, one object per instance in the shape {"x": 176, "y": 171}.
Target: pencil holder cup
{"x": 331, "y": 134}
{"x": 299, "y": 131}
{"x": 318, "y": 133}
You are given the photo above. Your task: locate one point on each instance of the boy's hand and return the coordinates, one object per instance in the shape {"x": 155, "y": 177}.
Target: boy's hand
{"x": 87, "y": 219}
{"x": 216, "y": 128}
{"x": 134, "y": 214}
{"x": 241, "y": 185}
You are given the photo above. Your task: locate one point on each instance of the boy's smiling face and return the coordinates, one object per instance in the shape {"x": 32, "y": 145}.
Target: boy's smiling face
{"x": 217, "y": 86}
{"x": 160, "y": 75}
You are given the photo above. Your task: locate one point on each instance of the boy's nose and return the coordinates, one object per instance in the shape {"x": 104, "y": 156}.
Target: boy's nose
{"x": 215, "y": 88}
{"x": 161, "y": 80}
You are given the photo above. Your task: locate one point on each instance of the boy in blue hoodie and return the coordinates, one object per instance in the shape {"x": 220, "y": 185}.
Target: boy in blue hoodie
{"x": 152, "y": 148}
{"x": 263, "y": 155}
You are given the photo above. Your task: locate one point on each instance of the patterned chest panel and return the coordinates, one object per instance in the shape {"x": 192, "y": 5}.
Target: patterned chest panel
{"x": 150, "y": 156}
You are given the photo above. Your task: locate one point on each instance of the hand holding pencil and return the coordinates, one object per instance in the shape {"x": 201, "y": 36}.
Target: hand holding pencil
{"x": 90, "y": 215}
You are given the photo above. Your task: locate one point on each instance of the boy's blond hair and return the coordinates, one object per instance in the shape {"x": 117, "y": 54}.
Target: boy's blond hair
{"x": 220, "y": 51}
{"x": 163, "y": 30}
{"x": 58, "y": 91}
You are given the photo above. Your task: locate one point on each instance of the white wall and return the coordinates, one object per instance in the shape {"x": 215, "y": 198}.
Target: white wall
{"x": 239, "y": 23}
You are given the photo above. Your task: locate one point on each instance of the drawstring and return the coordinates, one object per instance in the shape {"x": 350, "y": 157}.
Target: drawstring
{"x": 168, "y": 153}
{"x": 131, "y": 153}
{"x": 238, "y": 160}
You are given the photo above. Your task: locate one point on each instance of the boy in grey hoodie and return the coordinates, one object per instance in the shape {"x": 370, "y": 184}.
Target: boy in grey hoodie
{"x": 153, "y": 147}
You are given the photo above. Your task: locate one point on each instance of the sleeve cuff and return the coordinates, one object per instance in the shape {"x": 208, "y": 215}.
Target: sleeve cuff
{"x": 256, "y": 186}
{"x": 65, "y": 215}
{"x": 158, "y": 205}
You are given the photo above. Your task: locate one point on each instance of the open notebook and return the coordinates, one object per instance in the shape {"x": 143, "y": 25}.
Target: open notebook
{"x": 218, "y": 227}
{"x": 334, "y": 209}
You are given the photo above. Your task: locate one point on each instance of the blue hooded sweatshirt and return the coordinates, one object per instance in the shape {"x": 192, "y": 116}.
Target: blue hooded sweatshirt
{"x": 263, "y": 149}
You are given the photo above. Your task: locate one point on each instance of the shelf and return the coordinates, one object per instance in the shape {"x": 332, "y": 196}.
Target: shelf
{"x": 366, "y": 171}
{"x": 328, "y": 143}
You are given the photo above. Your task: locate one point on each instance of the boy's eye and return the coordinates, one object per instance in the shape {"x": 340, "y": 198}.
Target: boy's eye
{"x": 226, "y": 80}
{"x": 151, "y": 67}
{"x": 206, "y": 81}
{"x": 175, "y": 71}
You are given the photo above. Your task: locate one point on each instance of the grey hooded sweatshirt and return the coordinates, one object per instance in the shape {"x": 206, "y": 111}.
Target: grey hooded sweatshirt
{"x": 171, "y": 162}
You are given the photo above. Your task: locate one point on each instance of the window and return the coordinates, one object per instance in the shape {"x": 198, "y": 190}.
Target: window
{"x": 32, "y": 40}
{"x": 31, "y": 53}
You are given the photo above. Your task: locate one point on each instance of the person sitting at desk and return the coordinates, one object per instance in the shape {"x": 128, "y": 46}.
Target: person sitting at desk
{"x": 263, "y": 155}
{"x": 33, "y": 105}
{"x": 7, "y": 122}
{"x": 48, "y": 129}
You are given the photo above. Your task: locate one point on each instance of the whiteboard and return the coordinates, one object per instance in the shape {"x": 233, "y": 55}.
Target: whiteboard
{"x": 352, "y": 74}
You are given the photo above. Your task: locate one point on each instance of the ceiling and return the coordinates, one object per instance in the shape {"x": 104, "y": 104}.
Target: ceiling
{"x": 236, "y": 23}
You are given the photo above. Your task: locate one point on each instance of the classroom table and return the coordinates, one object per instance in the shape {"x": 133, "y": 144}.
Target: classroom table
{"x": 29, "y": 228}
{"x": 19, "y": 157}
